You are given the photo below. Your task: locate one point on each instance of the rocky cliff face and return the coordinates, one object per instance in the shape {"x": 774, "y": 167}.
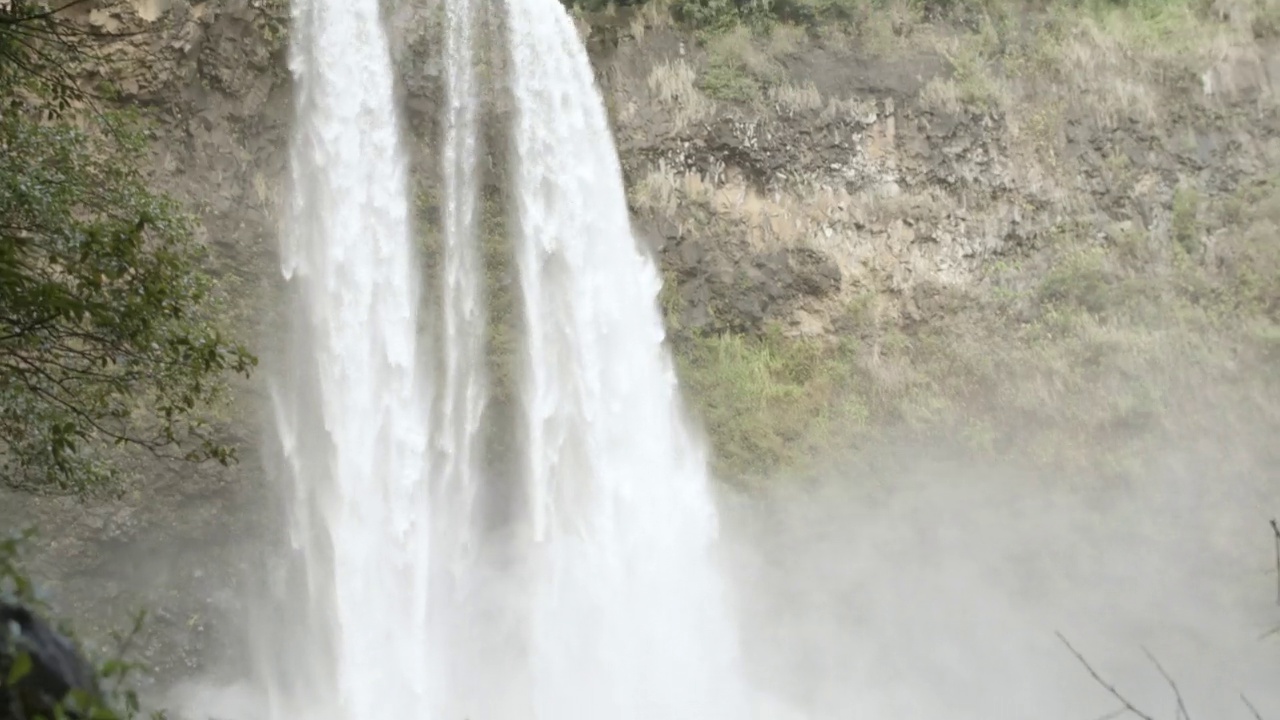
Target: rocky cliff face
{"x": 853, "y": 166}
{"x": 869, "y": 170}
{"x": 970, "y": 207}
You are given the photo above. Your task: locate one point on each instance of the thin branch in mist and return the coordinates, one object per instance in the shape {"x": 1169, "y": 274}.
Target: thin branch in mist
{"x": 1252, "y": 709}
{"x": 1269, "y": 633}
{"x": 1275, "y": 529}
{"x": 1182, "y": 706}
{"x": 1128, "y": 706}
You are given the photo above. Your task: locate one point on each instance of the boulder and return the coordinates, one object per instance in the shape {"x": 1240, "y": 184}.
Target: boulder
{"x": 55, "y": 667}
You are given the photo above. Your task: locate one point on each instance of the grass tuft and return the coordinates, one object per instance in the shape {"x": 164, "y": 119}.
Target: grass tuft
{"x": 674, "y": 87}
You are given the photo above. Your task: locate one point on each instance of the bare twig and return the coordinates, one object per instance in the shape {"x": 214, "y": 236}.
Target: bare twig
{"x": 1182, "y": 706}
{"x": 1128, "y": 706}
{"x": 1257, "y": 715}
{"x": 1275, "y": 529}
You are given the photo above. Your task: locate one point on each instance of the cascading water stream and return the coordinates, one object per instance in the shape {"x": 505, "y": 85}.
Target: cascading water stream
{"x": 350, "y": 409}
{"x": 629, "y": 616}
{"x": 459, "y": 602}
{"x": 626, "y": 616}
{"x": 464, "y": 384}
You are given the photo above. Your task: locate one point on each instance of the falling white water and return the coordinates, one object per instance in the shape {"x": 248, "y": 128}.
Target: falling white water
{"x": 629, "y": 616}
{"x": 458, "y": 605}
{"x": 465, "y": 390}
{"x": 350, "y": 412}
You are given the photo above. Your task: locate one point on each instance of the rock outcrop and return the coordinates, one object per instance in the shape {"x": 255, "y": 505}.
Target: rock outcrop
{"x": 39, "y": 666}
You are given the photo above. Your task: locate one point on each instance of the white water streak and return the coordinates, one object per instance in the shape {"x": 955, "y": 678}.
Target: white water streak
{"x": 464, "y": 389}
{"x": 351, "y": 412}
{"x": 465, "y": 383}
{"x": 630, "y": 618}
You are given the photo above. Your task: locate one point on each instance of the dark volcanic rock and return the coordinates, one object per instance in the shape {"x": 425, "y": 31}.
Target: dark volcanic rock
{"x": 55, "y": 669}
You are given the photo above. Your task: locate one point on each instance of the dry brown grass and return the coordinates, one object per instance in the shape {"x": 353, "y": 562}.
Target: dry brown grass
{"x": 1110, "y": 365}
{"x": 653, "y": 15}
{"x": 673, "y": 84}
{"x": 974, "y": 81}
{"x": 1085, "y": 363}
{"x": 1098, "y": 68}
{"x": 739, "y": 48}
{"x": 941, "y": 94}
{"x": 638, "y": 27}
{"x": 779, "y": 221}
{"x": 808, "y": 213}
{"x": 790, "y": 99}
{"x": 785, "y": 39}
{"x": 1114, "y": 63}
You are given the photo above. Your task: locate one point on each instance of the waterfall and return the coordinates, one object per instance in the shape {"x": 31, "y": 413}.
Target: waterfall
{"x": 350, "y": 407}
{"x": 464, "y": 391}
{"x": 629, "y": 615}
{"x": 614, "y": 606}
{"x": 460, "y": 599}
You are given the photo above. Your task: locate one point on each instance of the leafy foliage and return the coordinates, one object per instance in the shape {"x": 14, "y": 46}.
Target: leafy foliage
{"x": 768, "y": 402}
{"x": 721, "y": 14}
{"x": 598, "y": 5}
{"x": 106, "y": 332}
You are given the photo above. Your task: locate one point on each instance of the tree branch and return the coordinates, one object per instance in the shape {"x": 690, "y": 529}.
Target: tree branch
{"x": 1128, "y": 706}
{"x": 1257, "y": 715}
{"x": 1276, "y": 530}
{"x": 1182, "y": 707}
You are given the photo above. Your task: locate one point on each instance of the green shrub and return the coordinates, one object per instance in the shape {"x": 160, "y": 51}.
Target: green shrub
{"x": 738, "y": 69}
{"x": 717, "y": 14}
{"x": 1184, "y": 224}
{"x": 768, "y": 402}
{"x": 728, "y": 82}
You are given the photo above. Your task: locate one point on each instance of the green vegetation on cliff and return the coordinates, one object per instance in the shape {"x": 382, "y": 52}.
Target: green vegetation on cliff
{"x": 824, "y": 16}
{"x": 108, "y": 328}
{"x": 1088, "y": 367}
{"x": 1132, "y": 305}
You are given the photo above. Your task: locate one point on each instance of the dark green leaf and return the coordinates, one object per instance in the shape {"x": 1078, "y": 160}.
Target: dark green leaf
{"x": 20, "y": 668}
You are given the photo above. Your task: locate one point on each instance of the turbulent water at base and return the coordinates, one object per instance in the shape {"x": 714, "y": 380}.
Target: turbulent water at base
{"x": 350, "y": 412}
{"x": 629, "y": 616}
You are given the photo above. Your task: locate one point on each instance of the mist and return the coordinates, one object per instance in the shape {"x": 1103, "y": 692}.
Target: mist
{"x": 922, "y": 586}
{"x": 927, "y": 588}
